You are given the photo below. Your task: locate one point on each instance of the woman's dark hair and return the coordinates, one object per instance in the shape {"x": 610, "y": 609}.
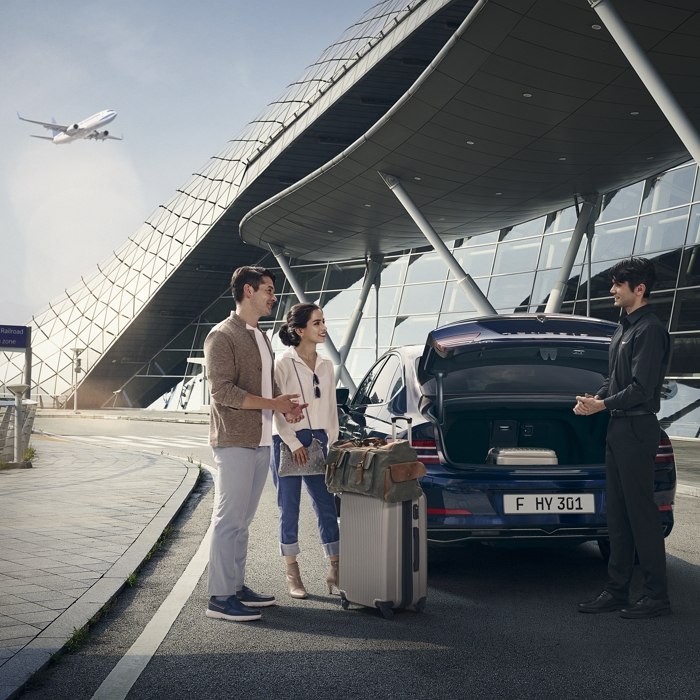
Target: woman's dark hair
{"x": 297, "y": 317}
{"x": 248, "y": 275}
{"x": 635, "y": 272}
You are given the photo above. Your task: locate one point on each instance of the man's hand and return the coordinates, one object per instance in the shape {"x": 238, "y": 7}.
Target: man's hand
{"x": 296, "y": 414}
{"x": 285, "y": 403}
{"x": 300, "y": 457}
{"x": 588, "y": 405}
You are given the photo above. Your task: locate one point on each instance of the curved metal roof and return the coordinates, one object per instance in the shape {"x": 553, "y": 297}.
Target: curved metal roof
{"x": 525, "y": 106}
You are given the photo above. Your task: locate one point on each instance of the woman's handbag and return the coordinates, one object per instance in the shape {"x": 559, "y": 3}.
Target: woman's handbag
{"x": 317, "y": 459}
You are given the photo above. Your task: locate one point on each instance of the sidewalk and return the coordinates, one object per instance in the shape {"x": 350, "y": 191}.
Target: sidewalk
{"x": 140, "y": 414}
{"x": 72, "y": 529}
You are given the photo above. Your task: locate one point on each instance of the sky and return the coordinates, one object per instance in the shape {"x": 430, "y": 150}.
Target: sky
{"x": 185, "y": 77}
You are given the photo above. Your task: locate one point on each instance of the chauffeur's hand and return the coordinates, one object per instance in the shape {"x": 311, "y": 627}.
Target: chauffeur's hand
{"x": 588, "y": 405}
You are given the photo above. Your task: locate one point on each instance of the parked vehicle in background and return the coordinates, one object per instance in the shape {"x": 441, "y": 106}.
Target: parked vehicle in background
{"x": 505, "y": 382}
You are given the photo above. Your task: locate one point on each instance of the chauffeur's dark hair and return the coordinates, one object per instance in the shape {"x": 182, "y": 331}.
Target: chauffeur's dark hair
{"x": 248, "y": 275}
{"x": 635, "y": 271}
{"x": 297, "y": 317}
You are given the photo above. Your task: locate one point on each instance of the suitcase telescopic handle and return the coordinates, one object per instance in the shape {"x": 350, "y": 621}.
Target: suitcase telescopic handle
{"x": 409, "y": 424}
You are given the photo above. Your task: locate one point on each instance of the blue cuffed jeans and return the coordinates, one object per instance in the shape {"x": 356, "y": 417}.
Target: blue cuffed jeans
{"x": 289, "y": 498}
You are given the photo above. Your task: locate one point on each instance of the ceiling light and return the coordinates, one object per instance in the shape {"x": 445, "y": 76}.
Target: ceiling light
{"x": 499, "y": 193}
{"x": 330, "y": 231}
{"x": 416, "y": 178}
{"x": 527, "y": 94}
{"x": 442, "y": 218}
{"x": 368, "y": 205}
{"x": 596, "y": 27}
{"x": 470, "y": 143}
{"x": 634, "y": 114}
{"x": 650, "y": 158}
{"x": 562, "y": 159}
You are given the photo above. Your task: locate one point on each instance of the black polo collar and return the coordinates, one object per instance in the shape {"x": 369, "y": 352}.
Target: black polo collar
{"x": 641, "y": 312}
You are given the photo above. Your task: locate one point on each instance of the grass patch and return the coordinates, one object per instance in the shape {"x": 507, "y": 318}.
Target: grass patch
{"x": 29, "y": 454}
{"x": 164, "y": 537}
{"x": 131, "y": 579}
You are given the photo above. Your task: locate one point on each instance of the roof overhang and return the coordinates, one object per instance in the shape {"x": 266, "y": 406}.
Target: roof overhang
{"x": 525, "y": 106}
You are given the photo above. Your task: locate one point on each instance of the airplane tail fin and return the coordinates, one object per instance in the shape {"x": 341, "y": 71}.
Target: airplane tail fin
{"x": 54, "y": 132}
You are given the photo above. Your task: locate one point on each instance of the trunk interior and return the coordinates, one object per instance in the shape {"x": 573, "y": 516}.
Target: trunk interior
{"x": 469, "y": 432}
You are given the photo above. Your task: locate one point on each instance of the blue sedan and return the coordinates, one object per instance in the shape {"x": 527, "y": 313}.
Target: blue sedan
{"x": 481, "y": 386}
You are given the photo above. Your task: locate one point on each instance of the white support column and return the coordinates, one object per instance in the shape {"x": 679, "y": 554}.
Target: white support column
{"x": 301, "y": 295}
{"x": 648, "y": 74}
{"x": 465, "y": 282}
{"x": 371, "y": 273}
{"x": 556, "y": 296}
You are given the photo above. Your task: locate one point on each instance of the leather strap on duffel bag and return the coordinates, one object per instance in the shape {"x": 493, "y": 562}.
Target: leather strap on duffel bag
{"x": 372, "y": 467}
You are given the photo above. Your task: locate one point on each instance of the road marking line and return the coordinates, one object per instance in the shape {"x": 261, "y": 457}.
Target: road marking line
{"x": 127, "y": 671}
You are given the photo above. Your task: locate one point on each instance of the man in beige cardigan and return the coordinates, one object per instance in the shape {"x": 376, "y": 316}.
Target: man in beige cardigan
{"x": 240, "y": 371}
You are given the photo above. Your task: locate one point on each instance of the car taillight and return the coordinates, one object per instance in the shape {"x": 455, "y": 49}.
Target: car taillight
{"x": 448, "y": 511}
{"x": 456, "y": 341}
{"x": 666, "y": 507}
{"x": 665, "y": 452}
{"x": 426, "y": 451}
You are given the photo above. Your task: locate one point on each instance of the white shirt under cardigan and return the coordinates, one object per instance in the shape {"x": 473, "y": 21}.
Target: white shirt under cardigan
{"x": 323, "y": 412}
{"x": 266, "y": 385}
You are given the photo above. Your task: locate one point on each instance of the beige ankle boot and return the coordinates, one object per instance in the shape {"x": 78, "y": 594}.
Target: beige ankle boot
{"x": 294, "y": 582}
{"x": 332, "y": 578}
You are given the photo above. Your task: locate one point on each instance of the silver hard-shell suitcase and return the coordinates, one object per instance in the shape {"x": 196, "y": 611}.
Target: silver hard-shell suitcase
{"x": 383, "y": 552}
{"x": 522, "y": 456}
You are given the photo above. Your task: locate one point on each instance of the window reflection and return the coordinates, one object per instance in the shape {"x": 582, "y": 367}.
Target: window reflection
{"x": 426, "y": 268}
{"x": 694, "y": 226}
{"x": 687, "y": 311}
{"x": 394, "y": 271}
{"x": 529, "y": 228}
{"x": 621, "y": 203}
{"x": 661, "y": 231}
{"x": 690, "y": 268}
{"x": 554, "y": 250}
{"x": 456, "y": 300}
{"x": 666, "y": 265}
{"x": 345, "y": 276}
{"x": 476, "y": 262}
{"x": 600, "y": 308}
{"x": 668, "y": 189}
{"x": 388, "y": 301}
{"x": 544, "y": 283}
{"x": 601, "y": 282}
{"x": 511, "y": 291}
{"x": 613, "y": 240}
{"x": 366, "y": 332}
{"x": 421, "y": 298}
{"x": 481, "y": 239}
{"x": 413, "y": 329}
{"x": 516, "y": 256}
{"x": 561, "y": 220}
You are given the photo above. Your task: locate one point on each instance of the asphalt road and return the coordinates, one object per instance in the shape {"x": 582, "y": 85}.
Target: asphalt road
{"x": 498, "y": 623}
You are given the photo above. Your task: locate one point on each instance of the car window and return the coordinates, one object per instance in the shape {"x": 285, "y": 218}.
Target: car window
{"x": 362, "y": 395}
{"x": 389, "y": 376}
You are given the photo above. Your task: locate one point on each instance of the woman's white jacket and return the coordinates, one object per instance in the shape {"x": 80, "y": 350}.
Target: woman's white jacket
{"x": 323, "y": 412}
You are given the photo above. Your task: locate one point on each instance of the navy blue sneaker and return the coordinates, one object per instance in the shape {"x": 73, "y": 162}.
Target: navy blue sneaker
{"x": 253, "y": 599}
{"x": 231, "y": 609}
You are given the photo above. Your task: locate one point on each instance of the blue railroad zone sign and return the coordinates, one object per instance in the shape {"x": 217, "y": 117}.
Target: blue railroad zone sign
{"x": 13, "y": 337}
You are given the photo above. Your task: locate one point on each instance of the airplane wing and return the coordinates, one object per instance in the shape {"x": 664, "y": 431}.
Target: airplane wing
{"x": 116, "y": 138}
{"x": 46, "y": 125}
{"x": 103, "y": 136}
{"x": 47, "y": 138}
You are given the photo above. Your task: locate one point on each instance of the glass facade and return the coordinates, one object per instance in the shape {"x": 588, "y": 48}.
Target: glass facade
{"x": 517, "y": 268}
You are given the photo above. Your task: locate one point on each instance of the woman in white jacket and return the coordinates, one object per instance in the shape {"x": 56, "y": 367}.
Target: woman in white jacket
{"x": 301, "y": 370}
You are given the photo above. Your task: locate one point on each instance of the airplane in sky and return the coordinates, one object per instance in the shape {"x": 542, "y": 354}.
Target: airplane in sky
{"x": 89, "y": 128}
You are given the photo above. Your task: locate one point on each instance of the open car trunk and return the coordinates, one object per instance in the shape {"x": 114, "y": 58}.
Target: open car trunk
{"x": 470, "y": 431}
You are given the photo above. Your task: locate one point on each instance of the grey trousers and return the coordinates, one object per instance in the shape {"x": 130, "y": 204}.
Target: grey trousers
{"x": 634, "y": 521}
{"x": 239, "y": 484}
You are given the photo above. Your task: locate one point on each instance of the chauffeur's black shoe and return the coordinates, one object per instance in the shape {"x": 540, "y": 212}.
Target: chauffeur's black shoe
{"x": 646, "y": 607}
{"x": 604, "y": 602}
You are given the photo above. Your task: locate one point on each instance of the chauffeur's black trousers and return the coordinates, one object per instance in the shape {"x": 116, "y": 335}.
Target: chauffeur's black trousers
{"x": 634, "y": 520}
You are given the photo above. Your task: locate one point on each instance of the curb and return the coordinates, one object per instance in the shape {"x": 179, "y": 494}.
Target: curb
{"x": 36, "y": 655}
{"x": 685, "y": 490}
{"x": 154, "y": 419}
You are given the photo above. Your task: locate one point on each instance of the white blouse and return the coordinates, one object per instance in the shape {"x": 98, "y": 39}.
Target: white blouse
{"x": 323, "y": 411}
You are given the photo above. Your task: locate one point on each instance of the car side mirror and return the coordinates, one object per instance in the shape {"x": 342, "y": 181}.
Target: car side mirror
{"x": 342, "y": 395}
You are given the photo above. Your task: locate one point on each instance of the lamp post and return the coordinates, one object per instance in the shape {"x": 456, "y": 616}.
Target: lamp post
{"x": 77, "y": 369}
{"x": 18, "y": 390}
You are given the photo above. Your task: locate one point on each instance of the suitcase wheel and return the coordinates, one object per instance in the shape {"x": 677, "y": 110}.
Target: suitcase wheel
{"x": 344, "y": 603}
{"x": 386, "y": 610}
{"x": 420, "y": 605}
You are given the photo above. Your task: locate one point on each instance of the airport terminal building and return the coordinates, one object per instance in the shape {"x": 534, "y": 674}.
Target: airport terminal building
{"x": 443, "y": 159}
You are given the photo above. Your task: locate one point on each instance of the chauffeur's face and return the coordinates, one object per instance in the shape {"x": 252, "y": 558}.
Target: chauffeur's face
{"x": 624, "y": 295}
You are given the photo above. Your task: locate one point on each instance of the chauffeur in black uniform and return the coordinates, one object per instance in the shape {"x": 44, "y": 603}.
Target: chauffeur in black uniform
{"x": 639, "y": 354}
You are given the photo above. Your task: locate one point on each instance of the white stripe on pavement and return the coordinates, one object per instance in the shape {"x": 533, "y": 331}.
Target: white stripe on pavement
{"x": 127, "y": 671}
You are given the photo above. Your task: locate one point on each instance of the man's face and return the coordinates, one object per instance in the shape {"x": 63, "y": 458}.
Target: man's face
{"x": 624, "y": 295}
{"x": 263, "y": 299}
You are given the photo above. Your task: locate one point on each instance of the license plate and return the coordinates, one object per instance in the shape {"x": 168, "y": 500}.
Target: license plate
{"x": 532, "y": 503}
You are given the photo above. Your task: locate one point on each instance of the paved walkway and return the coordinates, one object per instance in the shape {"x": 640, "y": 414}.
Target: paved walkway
{"x": 72, "y": 529}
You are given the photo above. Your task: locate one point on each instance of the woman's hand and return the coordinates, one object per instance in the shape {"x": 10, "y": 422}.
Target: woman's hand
{"x": 300, "y": 457}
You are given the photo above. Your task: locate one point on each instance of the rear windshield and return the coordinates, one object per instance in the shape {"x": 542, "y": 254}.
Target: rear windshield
{"x": 525, "y": 370}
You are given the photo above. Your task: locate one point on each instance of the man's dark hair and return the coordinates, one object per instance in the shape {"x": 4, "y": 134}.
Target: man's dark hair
{"x": 248, "y": 275}
{"x": 635, "y": 272}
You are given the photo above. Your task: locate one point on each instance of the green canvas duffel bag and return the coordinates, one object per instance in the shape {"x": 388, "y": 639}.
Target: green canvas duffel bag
{"x": 372, "y": 467}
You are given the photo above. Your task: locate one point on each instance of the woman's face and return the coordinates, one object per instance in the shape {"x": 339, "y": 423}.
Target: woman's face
{"x": 315, "y": 331}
